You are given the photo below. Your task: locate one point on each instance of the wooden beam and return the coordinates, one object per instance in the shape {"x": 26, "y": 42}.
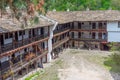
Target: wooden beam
{"x": 92, "y": 30}
{"x": 22, "y": 37}
{"x": 58, "y": 34}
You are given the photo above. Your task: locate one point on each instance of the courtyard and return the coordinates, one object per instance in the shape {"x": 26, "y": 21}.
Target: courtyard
{"x": 74, "y": 64}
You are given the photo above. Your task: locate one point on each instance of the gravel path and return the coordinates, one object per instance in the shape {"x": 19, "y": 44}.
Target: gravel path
{"x": 80, "y": 68}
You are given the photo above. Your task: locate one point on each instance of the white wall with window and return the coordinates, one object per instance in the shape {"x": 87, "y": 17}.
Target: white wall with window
{"x": 25, "y": 34}
{"x": 7, "y": 38}
{"x": 113, "y": 29}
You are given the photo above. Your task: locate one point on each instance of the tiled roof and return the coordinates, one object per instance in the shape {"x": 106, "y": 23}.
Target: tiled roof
{"x": 100, "y": 15}
{"x": 8, "y": 25}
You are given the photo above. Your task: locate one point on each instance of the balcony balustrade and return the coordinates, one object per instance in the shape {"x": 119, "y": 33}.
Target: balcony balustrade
{"x": 89, "y": 39}
{"x": 88, "y": 28}
{"x": 58, "y": 43}
{"x": 20, "y": 43}
{"x": 20, "y": 64}
{"x": 60, "y": 30}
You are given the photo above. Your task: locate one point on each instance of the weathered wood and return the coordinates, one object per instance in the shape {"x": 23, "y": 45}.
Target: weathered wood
{"x": 13, "y": 40}
{"x": 22, "y": 38}
{"x": 94, "y": 30}
{"x": 48, "y": 30}
{"x": 57, "y": 44}
{"x": 58, "y": 34}
{"x": 0, "y": 45}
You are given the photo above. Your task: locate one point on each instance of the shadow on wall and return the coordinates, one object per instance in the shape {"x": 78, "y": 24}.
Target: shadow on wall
{"x": 113, "y": 64}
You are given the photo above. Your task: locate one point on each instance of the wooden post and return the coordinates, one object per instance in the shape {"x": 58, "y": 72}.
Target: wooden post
{"x": 36, "y": 46}
{"x": 48, "y": 30}
{"x": 46, "y": 59}
{"x": 11, "y": 69}
{"x": 13, "y": 39}
{"x": 27, "y": 70}
{"x": 22, "y": 38}
{"x": 78, "y": 44}
{"x": 0, "y": 45}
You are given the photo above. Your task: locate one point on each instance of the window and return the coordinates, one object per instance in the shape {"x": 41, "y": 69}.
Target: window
{"x": 105, "y": 24}
{"x": 10, "y": 35}
{"x": 118, "y": 24}
{"x": 100, "y": 24}
{"x": 72, "y": 34}
{"x": 89, "y": 23}
{"x": 23, "y": 32}
{"x": 79, "y": 25}
{"x": 93, "y": 25}
{"x": 6, "y": 36}
{"x": 79, "y": 34}
{"x": 20, "y": 33}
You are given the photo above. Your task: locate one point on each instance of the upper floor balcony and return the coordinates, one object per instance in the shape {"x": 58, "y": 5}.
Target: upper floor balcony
{"x": 61, "y": 30}
{"x": 19, "y": 43}
{"x": 89, "y": 26}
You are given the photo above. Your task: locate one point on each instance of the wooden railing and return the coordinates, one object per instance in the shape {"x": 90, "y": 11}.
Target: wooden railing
{"x": 88, "y": 29}
{"x": 88, "y": 39}
{"x": 20, "y": 43}
{"x": 60, "y": 42}
{"x": 21, "y": 64}
{"x": 60, "y": 30}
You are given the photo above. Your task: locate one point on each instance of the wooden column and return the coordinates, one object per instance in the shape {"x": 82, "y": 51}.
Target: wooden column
{"x": 13, "y": 40}
{"x": 11, "y": 69}
{"x": 36, "y": 46}
{"x": 21, "y": 61}
{"x": 48, "y": 30}
{"x": 78, "y": 44}
{"x": 27, "y": 68}
{"x": 22, "y": 38}
{"x": 0, "y": 45}
{"x": 46, "y": 59}
{"x": 30, "y": 35}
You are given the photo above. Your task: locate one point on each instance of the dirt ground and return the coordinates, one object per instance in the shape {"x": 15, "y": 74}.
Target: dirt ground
{"x": 74, "y": 64}
{"x": 81, "y": 67}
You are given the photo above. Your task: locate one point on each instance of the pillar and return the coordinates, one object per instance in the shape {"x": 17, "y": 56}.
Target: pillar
{"x": 22, "y": 38}
{"x": 96, "y": 35}
{"x": 13, "y": 40}
{"x": 49, "y": 58}
{"x": 0, "y": 45}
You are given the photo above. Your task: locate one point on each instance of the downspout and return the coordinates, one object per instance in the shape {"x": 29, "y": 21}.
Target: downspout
{"x": 50, "y": 36}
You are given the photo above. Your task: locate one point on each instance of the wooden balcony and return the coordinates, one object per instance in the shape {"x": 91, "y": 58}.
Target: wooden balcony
{"x": 20, "y": 65}
{"x": 58, "y": 43}
{"x": 89, "y": 30}
{"x": 89, "y": 39}
{"x": 60, "y": 30}
{"x": 20, "y": 43}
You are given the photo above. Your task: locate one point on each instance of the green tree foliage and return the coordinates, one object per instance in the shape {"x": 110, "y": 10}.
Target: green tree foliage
{"x": 62, "y": 5}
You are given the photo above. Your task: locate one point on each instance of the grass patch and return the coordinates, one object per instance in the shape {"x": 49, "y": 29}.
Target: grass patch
{"x": 34, "y": 75}
{"x": 51, "y": 73}
{"x": 107, "y": 62}
{"x": 111, "y": 65}
{"x": 97, "y": 59}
